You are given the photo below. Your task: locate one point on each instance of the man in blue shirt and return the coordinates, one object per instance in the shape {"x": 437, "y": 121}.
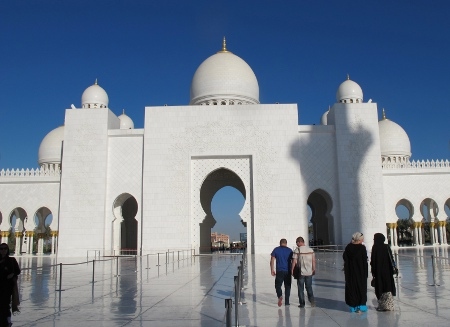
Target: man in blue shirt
{"x": 283, "y": 256}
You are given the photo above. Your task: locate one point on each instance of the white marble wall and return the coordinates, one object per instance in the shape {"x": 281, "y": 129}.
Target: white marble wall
{"x": 267, "y": 133}
{"x": 318, "y": 167}
{"x": 415, "y": 185}
{"x": 84, "y": 180}
{"x": 30, "y": 194}
{"x": 359, "y": 170}
{"x": 124, "y": 176}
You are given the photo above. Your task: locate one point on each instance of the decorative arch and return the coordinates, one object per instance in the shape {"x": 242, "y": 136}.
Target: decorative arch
{"x": 430, "y": 210}
{"x": 213, "y": 182}
{"x": 17, "y": 219}
{"x": 42, "y": 220}
{"x": 403, "y": 231}
{"x": 322, "y": 220}
{"x": 125, "y": 225}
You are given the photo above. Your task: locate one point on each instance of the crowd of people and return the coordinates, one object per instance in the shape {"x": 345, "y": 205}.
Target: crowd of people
{"x": 300, "y": 263}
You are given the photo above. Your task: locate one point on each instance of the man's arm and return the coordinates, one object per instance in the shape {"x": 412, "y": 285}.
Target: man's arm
{"x": 294, "y": 263}
{"x": 313, "y": 263}
{"x": 272, "y": 271}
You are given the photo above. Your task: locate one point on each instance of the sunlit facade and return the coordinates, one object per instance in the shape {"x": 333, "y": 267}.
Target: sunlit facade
{"x": 110, "y": 187}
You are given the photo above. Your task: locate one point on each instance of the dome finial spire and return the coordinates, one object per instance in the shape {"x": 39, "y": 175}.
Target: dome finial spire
{"x": 224, "y": 46}
{"x": 96, "y": 83}
{"x": 348, "y": 76}
{"x": 383, "y": 115}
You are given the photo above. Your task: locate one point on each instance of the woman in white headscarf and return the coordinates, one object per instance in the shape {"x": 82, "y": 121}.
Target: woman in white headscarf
{"x": 356, "y": 272}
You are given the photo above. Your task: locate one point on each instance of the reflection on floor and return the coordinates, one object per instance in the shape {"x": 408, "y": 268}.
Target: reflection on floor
{"x": 191, "y": 291}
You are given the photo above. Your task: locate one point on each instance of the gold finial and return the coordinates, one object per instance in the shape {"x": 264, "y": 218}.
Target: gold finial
{"x": 383, "y": 115}
{"x": 95, "y": 82}
{"x": 348, "y": 76}
{"x": 224, "y": 46}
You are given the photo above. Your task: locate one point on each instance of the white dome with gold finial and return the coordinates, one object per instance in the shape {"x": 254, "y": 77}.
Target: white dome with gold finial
{"x": 349, "y": 92}
{"x": 224, "y": 79}
{"x": 94, "y": 97}
{"x": 394, "y": 142}
{"x": 125, "y": 121}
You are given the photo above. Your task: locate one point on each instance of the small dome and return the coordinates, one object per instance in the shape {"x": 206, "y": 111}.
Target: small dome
{"x": 125, "y": 121}
{"x": 324, "y": 119}
{"x": 349, "y": 92}
{"x": 94, "y": 97}
{"x": 50, "y": 148}
{"x": 224, "y": 79}
{"x": 394, "y": 141}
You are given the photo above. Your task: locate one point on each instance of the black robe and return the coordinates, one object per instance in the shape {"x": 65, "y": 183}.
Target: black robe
{"x": 356, "y": 271}
{"x": 381, "y": 268}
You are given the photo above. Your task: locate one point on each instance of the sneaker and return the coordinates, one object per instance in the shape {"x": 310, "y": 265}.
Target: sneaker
{"x": 301, "y": 306}
{"x": 363, "y": 308}
{"x": 280, "y": 301}
{"x": 313, "y": 304}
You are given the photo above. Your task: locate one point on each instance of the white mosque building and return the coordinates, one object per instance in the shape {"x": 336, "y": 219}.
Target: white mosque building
{"x": 109, "y": 186}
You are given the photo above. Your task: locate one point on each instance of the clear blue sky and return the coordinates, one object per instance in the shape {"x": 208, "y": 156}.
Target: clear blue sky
{"x": 145, "y": 53}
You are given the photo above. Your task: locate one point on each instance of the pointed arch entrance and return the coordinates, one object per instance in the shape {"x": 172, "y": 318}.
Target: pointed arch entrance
{"x": 125, "y": 225}
{"x": 213, "y": 183}
{"x": 322, "y": 221}
{"x": 208, "y": 176}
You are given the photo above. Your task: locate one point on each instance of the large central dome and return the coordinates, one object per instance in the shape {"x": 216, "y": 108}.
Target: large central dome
{"x": 224, "y": 79}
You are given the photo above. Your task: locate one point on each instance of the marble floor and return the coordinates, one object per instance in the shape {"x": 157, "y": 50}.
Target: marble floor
{"x": 191, "y": 291}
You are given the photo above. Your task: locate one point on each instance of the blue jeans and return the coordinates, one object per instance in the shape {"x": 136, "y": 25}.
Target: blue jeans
{"x": 280, "y": 278}
{"x": 302, "y": 282}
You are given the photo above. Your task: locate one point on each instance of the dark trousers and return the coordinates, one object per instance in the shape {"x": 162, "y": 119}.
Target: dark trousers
{"x": 280, "y": 278}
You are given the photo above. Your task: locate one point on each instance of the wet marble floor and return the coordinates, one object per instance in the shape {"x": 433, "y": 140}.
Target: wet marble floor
{"x": 191, "y": 291}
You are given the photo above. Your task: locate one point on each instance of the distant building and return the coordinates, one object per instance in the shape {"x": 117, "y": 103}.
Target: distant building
{"x": 217, "y": 240}
{"x": 109, "y": 186}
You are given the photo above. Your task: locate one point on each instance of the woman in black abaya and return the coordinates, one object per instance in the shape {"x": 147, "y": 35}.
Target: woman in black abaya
{"x": 382, "y": 269}
{"x": 356, "y": 272}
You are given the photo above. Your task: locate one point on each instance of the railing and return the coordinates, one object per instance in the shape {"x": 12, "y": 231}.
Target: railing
{"x": 62, "y": 273}
{"x": 417, "y": 164}
{"x": 30, "y": 172}
{"x": 238, "y": 286}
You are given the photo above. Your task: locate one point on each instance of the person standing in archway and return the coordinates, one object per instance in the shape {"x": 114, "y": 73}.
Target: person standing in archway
{"x": 283, "y": 257}
{"x": 305, "y": 258}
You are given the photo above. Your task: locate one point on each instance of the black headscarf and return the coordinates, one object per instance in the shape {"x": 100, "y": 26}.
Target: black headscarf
{"x": 6, "y": 246}
{"x": 381, "y": 266}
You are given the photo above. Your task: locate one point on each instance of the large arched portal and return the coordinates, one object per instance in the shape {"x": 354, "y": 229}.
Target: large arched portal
{"x": 322, "y": 221}
{"x": 125, "y": 225}
{"x": 215, "y": 181}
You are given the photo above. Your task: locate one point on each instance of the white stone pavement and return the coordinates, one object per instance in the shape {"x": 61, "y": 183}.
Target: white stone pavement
{"x": 192, "y": 292}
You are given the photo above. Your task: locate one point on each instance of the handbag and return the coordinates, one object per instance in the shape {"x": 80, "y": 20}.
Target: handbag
{"x": 394, "y": 268}
{"x": 296, "y": 272}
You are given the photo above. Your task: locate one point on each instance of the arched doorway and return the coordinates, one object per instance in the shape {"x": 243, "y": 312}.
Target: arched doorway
{"x": 429, "y": 210}
{"x": 406, "y": 228}
{"x": 39, "y": 239}
{"x": 320, "y": 204}
{"x": 215, "y": 181}
{"x": 17, "y": 219}
{"x": 125, "y": 225}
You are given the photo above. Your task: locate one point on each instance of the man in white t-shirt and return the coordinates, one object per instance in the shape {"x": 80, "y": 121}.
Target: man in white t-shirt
{"x": 305, "y": 258}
